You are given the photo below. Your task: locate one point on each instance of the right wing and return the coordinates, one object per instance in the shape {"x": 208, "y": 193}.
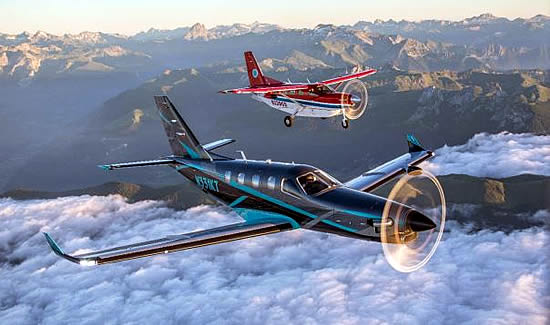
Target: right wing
{"x": 172, "y": 243}
{"x": 263, "y": 90}
{"x": 384, "y": 173}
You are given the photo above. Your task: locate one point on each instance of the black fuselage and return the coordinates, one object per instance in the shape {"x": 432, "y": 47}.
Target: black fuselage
{"x": 260, "y": 190}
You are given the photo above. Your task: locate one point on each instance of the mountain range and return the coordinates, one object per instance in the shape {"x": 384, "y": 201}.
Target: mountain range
{"x": 484, "y": 41}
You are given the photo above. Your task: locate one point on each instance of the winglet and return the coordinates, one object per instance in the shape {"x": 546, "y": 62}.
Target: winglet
{"x": 414, "y": 145}
{"x": 105, "y": 167}
{"x": 53, "y": 245}
{"x": 58, "y": 251}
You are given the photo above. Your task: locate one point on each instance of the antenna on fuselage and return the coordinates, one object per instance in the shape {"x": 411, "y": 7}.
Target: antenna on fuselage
{"x": 242, "y": 154}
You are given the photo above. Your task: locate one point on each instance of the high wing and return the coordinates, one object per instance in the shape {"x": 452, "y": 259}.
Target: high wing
{"x": 382, "y": 174}
{"x": 263, "y": 90}
{"x": 172, "y": 243}
{"x": 348, "y": 77}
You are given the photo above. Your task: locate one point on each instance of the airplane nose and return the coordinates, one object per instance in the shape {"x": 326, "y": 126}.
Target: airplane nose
{"x": 355, "y": 99}
{"x": 419, "y": 222}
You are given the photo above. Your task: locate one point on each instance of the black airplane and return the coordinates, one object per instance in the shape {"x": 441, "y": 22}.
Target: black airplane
{"x": 270, "y": 196}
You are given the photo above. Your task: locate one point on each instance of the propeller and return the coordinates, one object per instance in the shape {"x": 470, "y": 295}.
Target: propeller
{"x": 413, "y": 221}
{"x": 354, "y": 99}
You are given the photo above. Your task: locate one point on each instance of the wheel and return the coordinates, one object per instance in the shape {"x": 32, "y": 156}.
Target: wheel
{"x": 288, "y": 121}
{"x": 345, "y": 124}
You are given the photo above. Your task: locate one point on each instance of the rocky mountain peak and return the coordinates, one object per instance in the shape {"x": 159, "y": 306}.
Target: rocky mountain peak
{"x": 197, "y": 31}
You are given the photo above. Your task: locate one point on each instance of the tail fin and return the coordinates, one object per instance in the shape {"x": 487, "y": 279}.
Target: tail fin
{"x": 255, "y": 75}
{"x": 181, "y": 138}
{"x": 414, "y": 145}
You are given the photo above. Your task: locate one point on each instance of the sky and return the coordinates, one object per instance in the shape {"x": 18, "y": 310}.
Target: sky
{"x": 131, "y": 16}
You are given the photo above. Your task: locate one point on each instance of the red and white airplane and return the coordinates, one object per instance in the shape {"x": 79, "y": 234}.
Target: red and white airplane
{"x": 320, "y": 99}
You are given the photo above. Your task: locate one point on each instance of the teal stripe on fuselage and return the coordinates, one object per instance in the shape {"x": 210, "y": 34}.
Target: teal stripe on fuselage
{"x": 239, "y": 200}
{"x": 272, "y": 199}
{"x": 362, "y": 214}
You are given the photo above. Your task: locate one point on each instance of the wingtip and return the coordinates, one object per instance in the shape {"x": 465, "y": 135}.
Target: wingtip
{"x": 53, "y": 245}
{"x": 414, "y": 144}
{"x": 105, "y": 167}
{"x": 59, "y": 251}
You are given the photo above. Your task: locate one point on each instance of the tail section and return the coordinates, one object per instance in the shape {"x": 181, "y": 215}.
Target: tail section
{"x": 255, "y": 75}
{"x": 181, "y": 138}
{"x": 414, "y": 144}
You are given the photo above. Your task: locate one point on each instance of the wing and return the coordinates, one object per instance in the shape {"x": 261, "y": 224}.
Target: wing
{"x": 263, "y": 90}
{"x": 348, "y": 77}
{"x": 172, "y": 243}
{"x": 382, "y": 174}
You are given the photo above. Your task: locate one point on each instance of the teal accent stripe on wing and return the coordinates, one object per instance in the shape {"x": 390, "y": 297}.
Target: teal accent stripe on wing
{"x": 253, "y": 216}
{"x": 239, "y": 200}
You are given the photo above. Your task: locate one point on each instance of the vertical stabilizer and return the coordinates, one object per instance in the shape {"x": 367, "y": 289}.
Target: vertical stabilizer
{"x": 255, "y": 75}
{"x": 181, "y": 138}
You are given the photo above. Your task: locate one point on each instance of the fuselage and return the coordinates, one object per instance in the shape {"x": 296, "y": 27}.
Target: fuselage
{"x": 262, "y": 190}
{"x": 313, "y": 102}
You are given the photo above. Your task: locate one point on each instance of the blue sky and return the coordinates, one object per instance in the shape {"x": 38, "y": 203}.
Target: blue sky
{"x": 131, "y": 16}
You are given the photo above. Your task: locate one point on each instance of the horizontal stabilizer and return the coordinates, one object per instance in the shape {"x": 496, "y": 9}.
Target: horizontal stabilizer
{"x": 172, "y": 243}
{"x": 138, "y": 164}
{"x": 217, "y": 144}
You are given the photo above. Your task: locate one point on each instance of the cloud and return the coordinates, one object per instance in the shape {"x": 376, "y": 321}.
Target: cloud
{"x": 299, "y": 277}
{"x": 494, "y": 155}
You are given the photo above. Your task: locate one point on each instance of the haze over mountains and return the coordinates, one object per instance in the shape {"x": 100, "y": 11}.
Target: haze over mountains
{"x": 484, "y": 41}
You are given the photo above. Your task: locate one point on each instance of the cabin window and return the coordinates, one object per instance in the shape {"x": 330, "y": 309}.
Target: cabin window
{"x": 227, "y": 176}
{"x": 271, "y": 181}
{"x": 256, "y": 180}
{"x": 240, "y": 178}
{"x": 312, "y": 184}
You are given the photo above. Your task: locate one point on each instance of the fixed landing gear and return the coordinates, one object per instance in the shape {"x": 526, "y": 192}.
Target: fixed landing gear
{"x": 288, "y": 121}
{"x": 345, "y": 123}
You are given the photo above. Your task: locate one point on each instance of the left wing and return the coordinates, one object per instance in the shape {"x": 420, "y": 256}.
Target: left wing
{"x": 172, "y": 243}
{"x": 382, "y": 174}
{"x": 348, "y": 77}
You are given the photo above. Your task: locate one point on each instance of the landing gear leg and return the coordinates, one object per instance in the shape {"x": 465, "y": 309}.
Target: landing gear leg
{"x": 288, "y": 120}
{"x": 345, "y": 123}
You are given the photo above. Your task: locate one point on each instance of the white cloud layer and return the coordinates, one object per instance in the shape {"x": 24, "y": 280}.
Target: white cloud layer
{"x": 298, "y": 277}
{"x": 494, "y": 155}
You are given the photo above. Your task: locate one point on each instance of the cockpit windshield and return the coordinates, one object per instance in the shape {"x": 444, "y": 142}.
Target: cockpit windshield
{"x": 315, "y": 182}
